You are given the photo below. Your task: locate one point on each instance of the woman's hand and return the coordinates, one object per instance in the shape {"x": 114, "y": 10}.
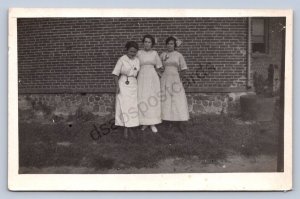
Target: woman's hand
{"x": 116, "y": 78}
{"x": 159, "y": 71}
{"x": 117, "y": 89}
{"x": 159, "y": 74}
{"x": 182, "y": 73}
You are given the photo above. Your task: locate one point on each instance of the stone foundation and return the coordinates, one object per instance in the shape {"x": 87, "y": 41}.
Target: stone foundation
{"x": 214, "y": 103}
{"x": 49, "y": 106}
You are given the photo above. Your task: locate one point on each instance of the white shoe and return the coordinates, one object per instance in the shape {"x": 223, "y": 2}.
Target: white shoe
{"x": 154, "y": 129}
{"x": 144, "y": 127}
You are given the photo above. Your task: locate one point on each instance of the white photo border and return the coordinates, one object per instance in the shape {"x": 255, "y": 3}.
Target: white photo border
{"x": 145, "y": 182}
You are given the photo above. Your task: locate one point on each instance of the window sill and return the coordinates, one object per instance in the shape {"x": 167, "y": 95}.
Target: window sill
{"x": 258, "y": 55}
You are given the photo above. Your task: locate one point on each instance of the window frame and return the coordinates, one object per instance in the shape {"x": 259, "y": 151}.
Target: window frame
{"x": 266, "y": 37}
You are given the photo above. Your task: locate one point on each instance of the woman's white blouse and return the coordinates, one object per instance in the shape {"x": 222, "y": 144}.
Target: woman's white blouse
{"x": 149, "y": 58}
{"x": 173, "y": 59}
{"x": 126, "y": 66}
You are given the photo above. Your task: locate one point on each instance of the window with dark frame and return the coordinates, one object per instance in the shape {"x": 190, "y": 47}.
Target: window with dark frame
{"x": 259, "y": 35}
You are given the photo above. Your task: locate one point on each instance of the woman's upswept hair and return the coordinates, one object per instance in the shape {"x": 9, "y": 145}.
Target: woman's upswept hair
{"x": 131, "y": 44}
{"x": 171, "y": 38}
{"x": 149, "y": 37}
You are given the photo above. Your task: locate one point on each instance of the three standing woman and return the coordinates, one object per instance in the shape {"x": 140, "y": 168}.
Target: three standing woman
{"x": 147, "y": 100}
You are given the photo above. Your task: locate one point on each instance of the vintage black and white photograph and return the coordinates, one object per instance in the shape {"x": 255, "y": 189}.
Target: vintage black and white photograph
{"x": 151, "y": 94}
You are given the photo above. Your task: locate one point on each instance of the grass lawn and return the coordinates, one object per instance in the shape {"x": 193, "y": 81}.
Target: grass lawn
{"x": 209, "y": 139}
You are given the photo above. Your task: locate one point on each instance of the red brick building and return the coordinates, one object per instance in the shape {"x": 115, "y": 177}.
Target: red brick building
{"x": 66, "y": 63}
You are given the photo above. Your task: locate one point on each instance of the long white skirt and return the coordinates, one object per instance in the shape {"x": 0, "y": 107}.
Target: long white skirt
{"x": 126, "y": 103}
{"x": 149, "y": 102}
{"x": 174, "y": 102}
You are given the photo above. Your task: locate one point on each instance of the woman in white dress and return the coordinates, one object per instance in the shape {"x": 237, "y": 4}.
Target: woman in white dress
{"x": 149, "y": 102}
{"x": 174, "y": 102}
{"x": 125, "y": 73}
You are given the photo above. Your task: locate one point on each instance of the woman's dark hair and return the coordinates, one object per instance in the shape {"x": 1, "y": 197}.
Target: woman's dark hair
{"x": 149, "y": 37}
{"x": 131, "y": 44}
{"x": 171, "y": 39}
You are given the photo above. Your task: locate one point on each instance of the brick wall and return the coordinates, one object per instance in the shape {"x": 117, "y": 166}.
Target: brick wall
{"x": 78, "y": 54}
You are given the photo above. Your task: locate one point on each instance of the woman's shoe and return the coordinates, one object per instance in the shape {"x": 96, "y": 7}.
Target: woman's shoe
{"x": 154, "y": 129}
{"x": 144, "y": 127}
